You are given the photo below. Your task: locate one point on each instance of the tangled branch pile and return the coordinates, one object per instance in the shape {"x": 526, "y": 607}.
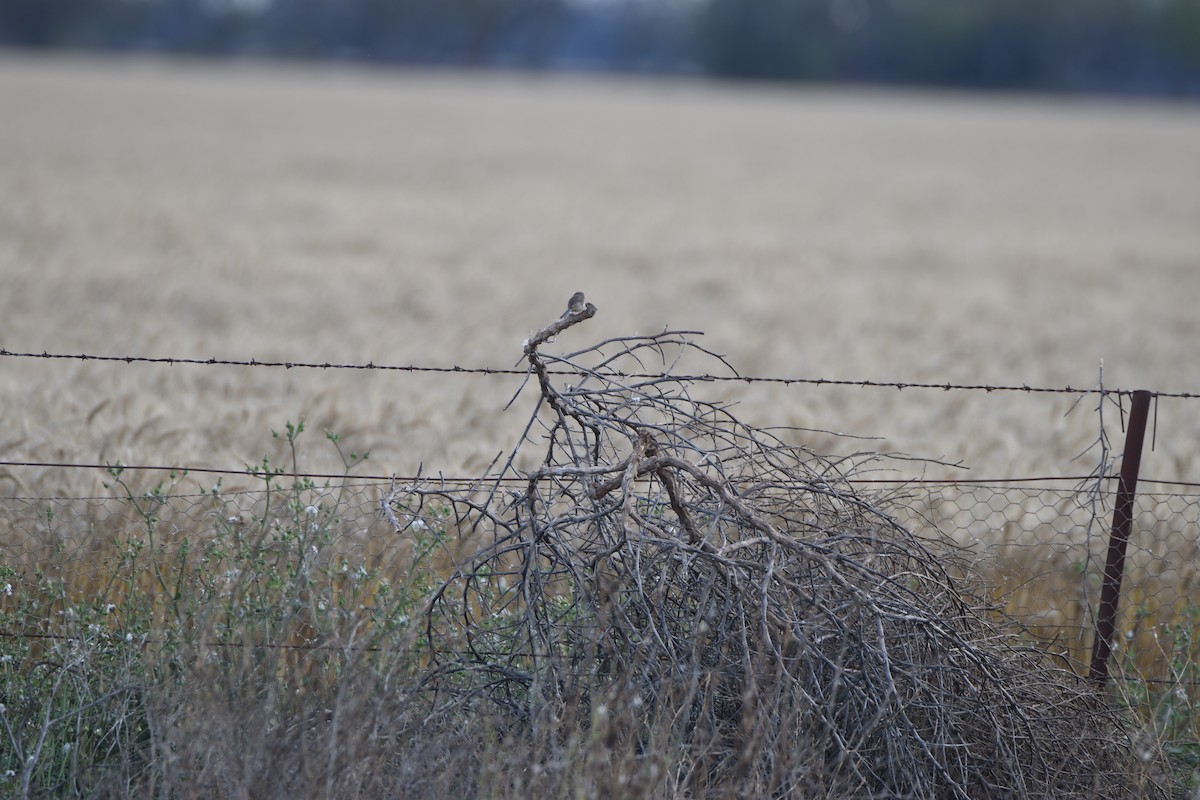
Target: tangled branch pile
{"x": 694, "y": 607}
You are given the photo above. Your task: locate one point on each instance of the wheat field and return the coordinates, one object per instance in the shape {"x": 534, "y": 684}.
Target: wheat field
{"x": 312, "y": 214}
{"x": 237, "y": 211}
{"x": 299, "y": 213}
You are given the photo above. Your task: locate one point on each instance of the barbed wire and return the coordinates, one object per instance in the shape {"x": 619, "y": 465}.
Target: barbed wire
{"x": 456, "y": 369}
{"x": 253, "y": 472}
{"x": 957, "y": 506}
{"x": 707, "y": 378}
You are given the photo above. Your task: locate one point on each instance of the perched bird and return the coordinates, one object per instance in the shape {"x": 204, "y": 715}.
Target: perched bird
{"x": 575, "y": 304}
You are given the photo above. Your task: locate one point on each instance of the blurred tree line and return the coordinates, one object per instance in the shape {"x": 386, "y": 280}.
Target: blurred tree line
{"x": 1127, "y": 46}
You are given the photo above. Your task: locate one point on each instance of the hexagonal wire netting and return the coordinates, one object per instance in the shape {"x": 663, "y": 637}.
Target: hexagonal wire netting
{"x": 1038, "y": 550}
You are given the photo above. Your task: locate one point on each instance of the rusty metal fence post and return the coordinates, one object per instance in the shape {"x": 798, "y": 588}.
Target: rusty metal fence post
{"x": 1114, "y": 567}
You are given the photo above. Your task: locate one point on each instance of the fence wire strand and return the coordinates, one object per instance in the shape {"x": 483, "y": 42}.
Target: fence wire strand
{"x": 318, "y": 559}
{"x": 509, "y": 371}
{"x": 1039, "y": 546}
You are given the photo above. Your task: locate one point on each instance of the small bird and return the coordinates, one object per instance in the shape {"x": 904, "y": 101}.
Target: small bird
{"x": 575, "y": 305}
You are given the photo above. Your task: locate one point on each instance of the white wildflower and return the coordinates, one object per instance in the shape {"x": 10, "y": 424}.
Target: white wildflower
{"x": 310, "y": 510}
{"x": 111, "y": 607}
{"x": 8, "y": 589}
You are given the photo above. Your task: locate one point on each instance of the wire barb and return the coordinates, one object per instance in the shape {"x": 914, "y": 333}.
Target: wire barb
{"x": 632, "y": 374}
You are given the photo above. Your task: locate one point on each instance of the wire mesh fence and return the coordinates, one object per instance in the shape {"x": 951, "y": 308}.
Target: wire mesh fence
{"x": 1041, "y": 551}
{"x": 770, "y": 615}
{"x": 317, "y": 580}
{"x": 1038, "y": 548}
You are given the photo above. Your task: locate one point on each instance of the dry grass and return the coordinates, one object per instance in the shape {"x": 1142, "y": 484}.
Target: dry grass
{"x": 250, "y": 211}
{"x": 673, "y": 604}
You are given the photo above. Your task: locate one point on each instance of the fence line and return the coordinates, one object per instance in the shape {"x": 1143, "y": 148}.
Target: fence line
{"x": 462, "y": 479}
{"x": 965, "y": 512}
{"x": 995, "y": 524}
{"x": 1031, "y": 542}
{"x": 707, "y": 378}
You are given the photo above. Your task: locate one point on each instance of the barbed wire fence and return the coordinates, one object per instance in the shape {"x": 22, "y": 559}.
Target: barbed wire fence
{"x": 661, "y": 550}
{"x": 698, "y": 378}
{"x": 1038, "y": 540}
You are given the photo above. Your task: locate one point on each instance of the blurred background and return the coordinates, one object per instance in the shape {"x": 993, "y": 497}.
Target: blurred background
{"x": 1129, "y": 47}
{"x": 425, "y": 182}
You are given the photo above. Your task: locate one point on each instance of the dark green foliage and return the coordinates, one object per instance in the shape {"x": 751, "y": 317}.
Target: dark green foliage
{"x": 1123, "y": 46}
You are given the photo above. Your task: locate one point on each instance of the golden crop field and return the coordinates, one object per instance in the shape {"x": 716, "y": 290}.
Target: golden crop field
{"x": 310, "y": 214}
{"x": 236, "y": 211}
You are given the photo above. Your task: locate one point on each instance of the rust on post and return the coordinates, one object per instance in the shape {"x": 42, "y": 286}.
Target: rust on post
{"x": 1114, "y": 567}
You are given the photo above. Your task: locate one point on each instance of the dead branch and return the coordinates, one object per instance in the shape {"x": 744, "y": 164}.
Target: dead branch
{"x": 775, "y": 624}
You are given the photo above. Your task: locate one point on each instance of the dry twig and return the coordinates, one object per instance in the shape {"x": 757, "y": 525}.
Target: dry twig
{"x": 702, "y": 588}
